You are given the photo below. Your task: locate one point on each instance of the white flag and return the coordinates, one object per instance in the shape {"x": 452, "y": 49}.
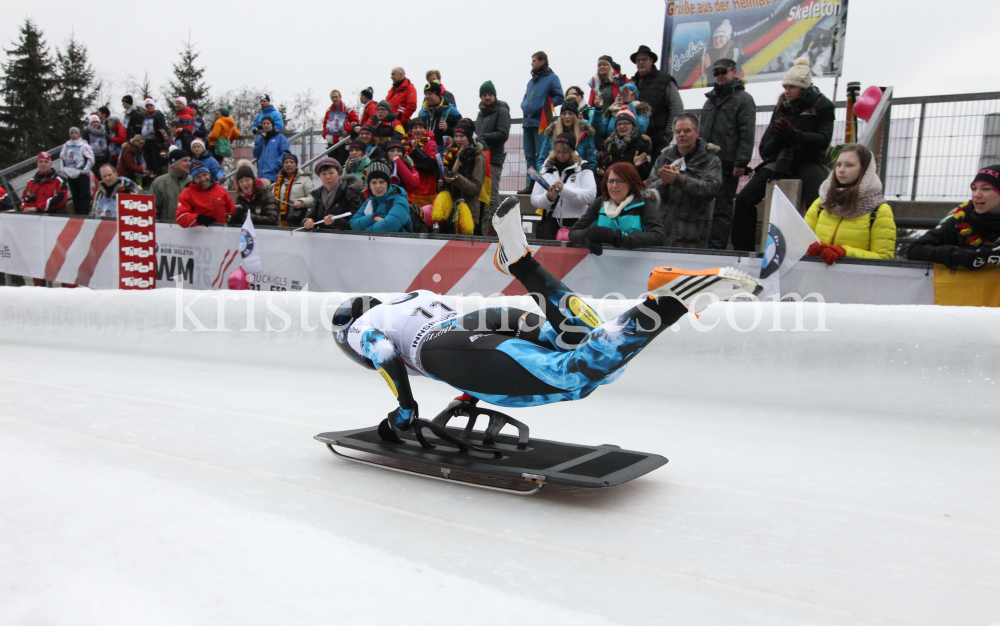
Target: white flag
{"x": 788, "y": 238}
{"x": 250, "y": 248}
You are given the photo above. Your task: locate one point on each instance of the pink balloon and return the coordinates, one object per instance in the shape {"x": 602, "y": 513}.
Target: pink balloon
{"x": 238, "y": 280}
{"x": 864, "y": 108}
{"x": 562, "y": 234}
{"x": 428, "y": 211}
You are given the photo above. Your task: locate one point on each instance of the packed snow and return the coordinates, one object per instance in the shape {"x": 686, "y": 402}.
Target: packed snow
{"x": 838, "y": 468}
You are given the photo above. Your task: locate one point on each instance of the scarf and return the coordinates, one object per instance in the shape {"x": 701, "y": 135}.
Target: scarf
{"x": 327, "y": 196}
{"x": 96, "y": 132}
{"x": 612, "y": 210}
{"x": 284, "y": 202}
{"x": 535, "y": 74}
{"x": 619, "y": 144}
{"x": 420, "y": 143}
{"x": 869, "y": 195}
{"x": 449, "y": 155}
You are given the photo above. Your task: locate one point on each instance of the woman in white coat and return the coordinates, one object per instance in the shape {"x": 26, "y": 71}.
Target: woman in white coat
{"x": 572, "y": 189}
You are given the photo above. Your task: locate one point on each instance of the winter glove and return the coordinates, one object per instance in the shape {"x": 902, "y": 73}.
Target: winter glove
{"x": 402, "y": 419}
{"x": 815, "y": 249}
{"x": 205, "y": 220}
{"x": 784, "y": 130}
{"x": 975, "y": 259}
{"x": 604, "y": 235}
{"x": 595, "y": 246}
{"x": 830, "y": 254}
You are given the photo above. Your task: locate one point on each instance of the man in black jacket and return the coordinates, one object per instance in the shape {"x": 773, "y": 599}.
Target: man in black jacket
{"x": 493, "y": 127}
{"x": 659, "y": 90}
{"x": 728, "y": 120}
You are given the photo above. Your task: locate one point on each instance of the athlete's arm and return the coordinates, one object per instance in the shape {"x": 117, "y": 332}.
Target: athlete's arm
{"x": 389, "y": 363}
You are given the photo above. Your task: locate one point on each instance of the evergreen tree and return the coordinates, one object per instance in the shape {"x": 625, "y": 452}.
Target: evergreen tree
{"x": 27, "y": 88}
{"x": 188, "y": 80}
{"x": 145, "y": 89}
{"x": 76, "y": 88}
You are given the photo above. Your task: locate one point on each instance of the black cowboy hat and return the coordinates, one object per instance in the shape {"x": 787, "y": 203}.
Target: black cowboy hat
{"x": 647, "y": 51}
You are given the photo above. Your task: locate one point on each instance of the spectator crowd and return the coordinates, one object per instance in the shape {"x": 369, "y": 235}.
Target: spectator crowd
{"x": 620, "y": 165}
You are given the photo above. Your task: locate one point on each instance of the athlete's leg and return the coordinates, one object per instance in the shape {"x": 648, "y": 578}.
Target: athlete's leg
{"x": 571, "y": 318}
{"x": 510, "y": 322}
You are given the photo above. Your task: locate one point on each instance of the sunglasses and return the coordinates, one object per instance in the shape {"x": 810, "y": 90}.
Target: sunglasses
{"x": 720, "y": 72}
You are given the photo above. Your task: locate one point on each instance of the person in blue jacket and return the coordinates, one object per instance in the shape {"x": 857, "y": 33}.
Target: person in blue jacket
{"x": 387, "y": 209}
{"x": 604, "y": 124}
{"x": 268, "y": 148}
{"x": 201, "y": 154}
{"x": 267, "y": 110}
{"x": 544, "y": 84}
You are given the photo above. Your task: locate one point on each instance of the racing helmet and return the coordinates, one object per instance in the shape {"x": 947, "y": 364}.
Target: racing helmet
{"x": 345, "y": 315}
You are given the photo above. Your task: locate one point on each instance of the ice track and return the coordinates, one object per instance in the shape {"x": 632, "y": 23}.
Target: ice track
{"x": 162, "y": 477}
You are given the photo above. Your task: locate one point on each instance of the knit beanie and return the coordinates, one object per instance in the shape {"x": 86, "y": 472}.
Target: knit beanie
{"x": 725, "y": 29}
{"x": 989, "y": 175}
{"x": 384, "y": 105}
{"x": 199, "y": 141}
{"x": 194, "y": 105}
{"x": 148, "y": 101}
{"x": 393, "y": 144}
{"x": 488, "y": 87}
{"x": 379, "y": 169}
{"x": 127, "y": 99}
{"x": 800, "y": 75}
{"x": 566, "y": 138}
{"x": 198, "y": 169}
{"x": 93, "y": 118}
{"x": 571, "y": 105}
{"x": 288, "y": 156}
{"x": 74, "y": 128}
{"x": 326, "y": 163}
{"x": 43, "y": 155}
{"x": 433, "y": 87}
{"x": 356, "y": 145}
{"x": 466, "y": 127}
{"x": 244, "y": 171}
{"x": 364, "y": 127}
{"x": 224, "y": 110}
{"x": 265, "y": 97}
{"x": 177, "y": 155}
{"x": 182, "y": 100}
{"x": 417, "y": 121}
{"x": 368, "y": 93}
{"x": 268, "y": 118}
{"x": 626, "y": 114}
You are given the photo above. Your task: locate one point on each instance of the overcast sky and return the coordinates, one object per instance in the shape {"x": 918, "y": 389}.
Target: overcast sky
{"x": 921, "y": 47}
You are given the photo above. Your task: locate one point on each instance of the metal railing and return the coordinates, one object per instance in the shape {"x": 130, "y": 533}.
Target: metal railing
{"x": 15, "y": 178}
{"x": 935, "y": 144}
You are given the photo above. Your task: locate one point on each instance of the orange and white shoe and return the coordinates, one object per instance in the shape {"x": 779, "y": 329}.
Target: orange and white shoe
{"x": 695, "y": 288}
{"x": 513, "y": 244}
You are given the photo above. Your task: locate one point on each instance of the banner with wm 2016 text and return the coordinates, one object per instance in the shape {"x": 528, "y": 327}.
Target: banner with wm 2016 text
{"x": 136, "y": 242}
{"x": 763, "y": 37}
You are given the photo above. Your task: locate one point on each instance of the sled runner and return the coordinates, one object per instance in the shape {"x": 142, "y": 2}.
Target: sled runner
{"x": 488, "y": 458}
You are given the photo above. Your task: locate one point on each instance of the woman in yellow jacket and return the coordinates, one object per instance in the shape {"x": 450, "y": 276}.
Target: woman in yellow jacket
{"x": 850, "y": 216}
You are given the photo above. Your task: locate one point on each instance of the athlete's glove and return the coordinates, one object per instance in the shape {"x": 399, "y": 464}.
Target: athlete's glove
{"x": 831, "y": 254}
{"x": 461, "y": 404}
{"x": 402, "y": 419}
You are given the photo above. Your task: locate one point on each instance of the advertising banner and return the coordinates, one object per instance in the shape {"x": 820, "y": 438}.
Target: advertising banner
{"x": 763, "y": 37}
{"x": 78, "y": 251}
{"x": 136, "y": 242}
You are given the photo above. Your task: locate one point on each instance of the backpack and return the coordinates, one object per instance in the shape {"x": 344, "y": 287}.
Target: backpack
{"x": 417, "y": 223}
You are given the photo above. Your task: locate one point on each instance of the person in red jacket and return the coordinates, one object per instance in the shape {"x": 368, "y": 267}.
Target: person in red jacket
{"x": 403, "y": 172}
{"x": 422, "y": 150}
{"x": 203, "y": 201}
{"x": 117, "y": 137}
{"x": 402, "y": 97}
{"x": 338, "y": 120}
{"x": 185, "y": 124}
{"x": 46, "y": 192}
{"x": 367, "y": 101}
